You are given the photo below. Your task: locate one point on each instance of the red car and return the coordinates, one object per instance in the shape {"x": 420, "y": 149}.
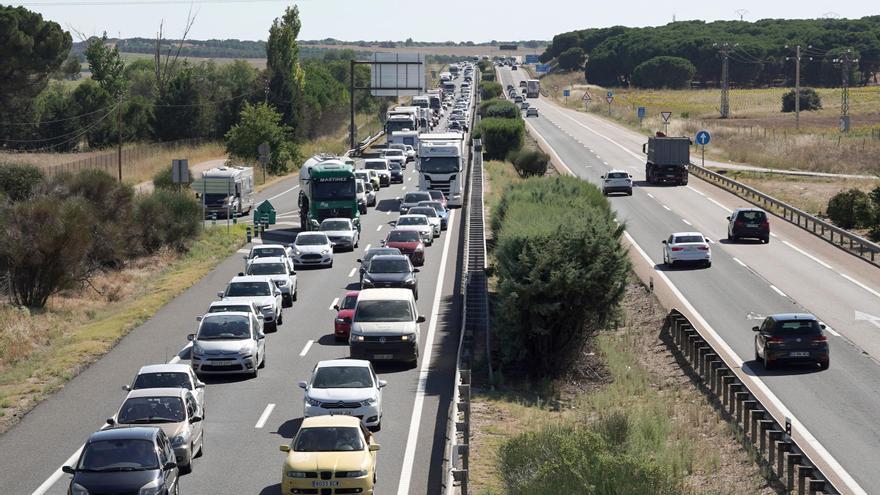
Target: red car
{"x": 344, "y": 313}
{"x": 409, "y": 242}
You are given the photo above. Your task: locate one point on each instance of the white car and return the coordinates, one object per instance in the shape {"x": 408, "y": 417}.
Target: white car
{"x": 410, "y": 153}
{"x": 419, "y": 223}
{"x": 617, "y": 181}
{"x": 433, "y": 218}
{"x": 347, "y": 387}
{"x": 280, "y": 270}
{"x": 235, "y": 307}
{"x": 684, "y": 247}
{"x": 395, "y": 155}
{"x": 312, "y": 248}
{"x": 260, "y": 290}
{"x": 371, "y": 193}
{"x": 342, "y": 232}
{"x": 380, "y": 167}
{"x": 361, "y": 192}
{"x": 265, "y": 251}
{"x": 228, "y": 343}
{"x": 169, "y": 376}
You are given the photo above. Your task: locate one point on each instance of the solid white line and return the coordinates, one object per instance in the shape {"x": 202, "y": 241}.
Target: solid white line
{"x": 776, "y": 289}
{"x": 413, "y": 435}
{"x": 282, "y": 193}
{"x": 368, "y": 247}
{"x": 42, "y": 489}
{"x": 666, "y": 207}
{"x": 606, "y": 163}
{"x": 334, "y": 303}
{"x": 773, "y": 235}
{"x": 650, "y": 195}
{"x": 265, "y": 416}
{"x": 808, "y": 255}
{"x": 378, "y": 228}
{"x": 740, "y": 262}
{"x": 872, "y": 291}
{"x": 351, "y": 273}
{"x": 685, "y": 221}
{"x": 306, "y": 348}
{"x": 719, "y": 204}
{"x": 831, "y": 330}
{"x": 698, "y": 192}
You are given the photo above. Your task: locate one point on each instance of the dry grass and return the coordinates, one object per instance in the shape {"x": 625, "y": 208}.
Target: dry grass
{"x": 40, "y": 351}
{"x": 257, "y": 63}
{"x": 464, "y": 51}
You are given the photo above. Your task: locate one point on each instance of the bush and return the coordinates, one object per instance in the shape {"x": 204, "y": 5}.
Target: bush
{"x": 851, "y": 209}
{"x": 529, "y": 163}
{"x": 664, "y": 72}
{"x": 499, "y": 108}
{"x": 164, "y": 179}
{"x": 168, "y": 218}
{"x": 18, "y": 182}
{"x": 810, "y": 100}
{"x": 501, "y": 136}
{"x": 571, "y": 59}
{"x": 488, "y": 76}
{"x": 258, "y": 124}
{"x": 561, "y": 271}
{"x": 489, "y": 90}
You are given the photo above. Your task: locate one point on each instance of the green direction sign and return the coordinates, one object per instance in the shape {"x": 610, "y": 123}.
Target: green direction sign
{"x": 264, "y": 213}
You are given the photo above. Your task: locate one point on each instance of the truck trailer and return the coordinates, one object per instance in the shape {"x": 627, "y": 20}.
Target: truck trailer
{"x": 668, "y": 159}
{"x": 533, "y": 88}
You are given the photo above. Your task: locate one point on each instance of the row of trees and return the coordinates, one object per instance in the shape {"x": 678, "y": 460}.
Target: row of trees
{"x": 761, "y": 53}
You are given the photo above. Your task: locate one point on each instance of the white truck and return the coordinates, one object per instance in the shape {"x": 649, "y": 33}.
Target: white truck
{"x": 226, "y": 191}
{"x": 533, "y": 88}
{"x": 441, "y": 165}
{"x": 405, "y": 137}
{"x": 401, "y": 118}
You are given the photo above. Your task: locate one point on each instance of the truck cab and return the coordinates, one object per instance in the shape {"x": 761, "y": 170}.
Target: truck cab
{"x": 440, "y": 166}
{"x": 328, "y": 190}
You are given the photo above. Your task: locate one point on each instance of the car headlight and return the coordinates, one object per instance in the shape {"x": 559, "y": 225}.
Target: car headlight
{"x": 356, "y": 338}
{"x": 312, "y": 402}
{"x": 296, "y": 474}
{"x": 179, "y": 440}
{"x": 296, "y": 251}
{"x": 77, "y": 489}
{"x": 409, "y": 337}
{"x": 420, "y": 249}
{"x": 151, "y": 488}
{"x": 281, "y": 283}
{"x": 409, "y": 281}
{"x": 325, "y": 251}
{"x": 266, "y": 307}
{"x": 368, "y": 402}
{"x": 197, "y": 350}
{"x": 351, "y": 474}
{"x": 343, "y": 320}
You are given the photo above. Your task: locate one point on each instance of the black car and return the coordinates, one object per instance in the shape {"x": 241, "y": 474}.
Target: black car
{"x": 396, "y": 172}
{"x": 372, "y": 252}
{"x": 791, "y": 337}
{"x": 748, "y": 223}
{"x": 126, "y": 460}
{"x": 391, "y": 271}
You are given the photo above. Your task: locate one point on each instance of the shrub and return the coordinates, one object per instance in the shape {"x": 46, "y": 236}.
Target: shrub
{"x": 810, "y": 100}
{"x": 503, "y": 109}
{"x": 489, "y": 90}
{"x": 571, "y": 59}
{"x": 18, "y": 182}
{"x": 164, "y": 179}
{"x": 664, "y": 72}
{"x": 168, "y": 218}
{"x": 529, "y": 163}
{"x": 849, "y": 209}
{"x": 488, "y": 76}
{"x": 501, "y": 136}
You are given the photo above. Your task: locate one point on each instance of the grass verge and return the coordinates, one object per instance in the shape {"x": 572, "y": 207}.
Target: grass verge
{"x": 39, "y": 352}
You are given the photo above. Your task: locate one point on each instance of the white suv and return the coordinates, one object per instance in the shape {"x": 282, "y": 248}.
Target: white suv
{"x": 347, "y": 387}
{"x": 260, "y": 290}
{"x": 280, "y": 270}
{"x": 617, "y": 181}
{"x": 380, "y": 166}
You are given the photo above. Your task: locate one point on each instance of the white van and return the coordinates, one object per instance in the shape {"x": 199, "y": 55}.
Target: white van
{"x": 385, "y": 326}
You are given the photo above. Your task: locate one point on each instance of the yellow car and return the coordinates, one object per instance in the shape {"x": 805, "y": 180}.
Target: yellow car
{"x": 330, "y": 452}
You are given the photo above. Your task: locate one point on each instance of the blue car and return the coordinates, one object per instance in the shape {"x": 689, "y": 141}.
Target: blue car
{"x": 441, "y": 211}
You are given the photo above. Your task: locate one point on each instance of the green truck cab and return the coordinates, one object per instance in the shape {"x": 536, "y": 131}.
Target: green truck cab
{"x": 327, "y": 190}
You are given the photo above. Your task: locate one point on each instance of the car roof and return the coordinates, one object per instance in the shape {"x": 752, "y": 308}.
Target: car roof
{"x": 329, "y": 363}
{"x": 312, "y": 233}
{"x": 750, "y": 208}
{"x": 372, "y": 249}
{"x": 411, "y": 216}
{"x": 618, "y": 171}
{"x": 794, "y": 316}
{"x": 244, "y": 314}
{"x": 677, "y": 234}
{"x": 127, "y": 433}
{"x": 384, "y": 294}
{"x": 157, "y": 392}
{"x": 252, "y": 278}
{"x": 333, "y": 219}
{"x": 267, "y": 259}
{"x": 328, "y": 420}
{"x": 389, "y": 257}
{"x": 267, "y": 246}
{"x": 165, "y": 367}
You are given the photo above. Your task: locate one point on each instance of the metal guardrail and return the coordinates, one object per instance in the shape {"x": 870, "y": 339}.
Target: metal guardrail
{"x": 768, "y": 437}
{"x": 844, "y": 239}
{"x": 366, "y": 143}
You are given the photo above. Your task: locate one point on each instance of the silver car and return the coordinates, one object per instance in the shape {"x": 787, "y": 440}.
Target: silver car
{"x": 347, "y": 387}
{"x": 342, "y": 232}
{"x": 280, "y": 270}
{"x": 617, "y": 181}
{"x": 418, "y": 223}
{"x": 312, "y": 249}
{"x": 168, "y": 375}
{"x": 228, "y": 343}
{"x": 260, "y": 290}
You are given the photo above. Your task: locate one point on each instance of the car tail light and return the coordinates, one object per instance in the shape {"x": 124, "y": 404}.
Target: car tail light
{"x": 703, "y": 248}
{"x": 775, "y": 340}
{"x": 765, "y": 225}
{"x": 739, "y": 223}
{"x": 819, "y": 338}
{"x": 677, "y": 249}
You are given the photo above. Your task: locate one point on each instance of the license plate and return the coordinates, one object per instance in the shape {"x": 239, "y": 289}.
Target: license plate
{"x": 383, "y": 356}
{"x": 343, "y": 412}
{"x": 752, "y": 225}
{"x": 798, "y": 354}
{"x": 223, "y": 363}
{"x": 325, "y": 484}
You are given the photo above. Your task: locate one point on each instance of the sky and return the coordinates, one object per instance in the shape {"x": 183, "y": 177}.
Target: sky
{"x": 457, "y": 20}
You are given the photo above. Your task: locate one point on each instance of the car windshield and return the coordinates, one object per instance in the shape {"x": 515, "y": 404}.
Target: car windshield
{"x": 118, "y": 456}
{"x": 311, "y": 240}
{"x": 328, "y": 439}
{"x": 267, "y": 269}
{"x": 379, "y": 251}
{"x": 427, "y": 211}
{"x": 360, "y": 187}
{"x": 412, "y": 221}
{"x": 333, "y": 188}
{"x": 225, "y": 327}
{"x": 618, "y": 175}
{"x": 384, "y": 311}
{"x": 151, "y": 410}
{"x": 681, "y": 239}
{"x": 403, "y": 236}
{"x": 348, "y": 302}
{"x": 230, "y": 308}
{"x": 438, "y": 195}
{"x": 395, "y": 166}
{"x": 162, "y": 380}
{"x": 380, "y": 265}
{"x": 368, "y": 186}
{"x": 436, "y": 205}
{"x": 439, "y": 164}
{"x": 335, "y": 225}
{"x": 342, "y": 377}
{"x": 751, "y": 216}
{"x": 393, "y": 152}
{"x": 414, "y": 198}
{"x": 797, "y": 327}
{"x": 268, "y": 253}
{"x": 376, "y": 165}
{"x": 248, "y": 289}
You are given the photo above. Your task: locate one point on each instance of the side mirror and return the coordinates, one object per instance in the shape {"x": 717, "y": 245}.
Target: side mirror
{"x": 169, "y": 465}
{"x": 382, "y": 242}
{"x": 420, "y": 319}
{"x": 755, "y": 329}
{"x": 68, "y": 469}
{"x": 195, "y": 419}
{"x": 284, "y": 448}
{"x": 127, "y": 388}
{"x": 336, "y": 307}
{"x": 728, "y": 218}
{"x": 416, "y": 270}
{"x": 822, "y": 326}
{"x": 664, "y": 241}
{"x": 200, "y": 385}
{"x": 244, "y": 258}
{"x": 111, "y": 421}
{"x": 359, "y": 260}
{"x": 241, "y": 274}
{"x": 277, "y": 292}
{"x": 302, "y": 385}
{"x": 630, "y": 176}
{"x": 382, "y": 383}
{"x": 220, "y": 294}
{"x": 260, "y": 317}
{"x": 198, "y": 318}
{"x": 374, "y": 447}
{"x": 191, "y": 337}
{"x": 601, "y": 176}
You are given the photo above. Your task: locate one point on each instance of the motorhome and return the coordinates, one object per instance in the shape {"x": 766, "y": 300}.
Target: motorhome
{"x": 226, "y": 191}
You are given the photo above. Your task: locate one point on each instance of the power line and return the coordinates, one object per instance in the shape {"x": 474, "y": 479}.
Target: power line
{"x": 56, "y": 120}
{"x": 53, "y": 138}
{"x": 134, "y": 2}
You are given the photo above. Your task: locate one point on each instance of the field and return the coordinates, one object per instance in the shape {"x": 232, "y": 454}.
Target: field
{"x": 258, "y": 63}
{"x": 443, "y": 50}
{"x": 757, "y": 133}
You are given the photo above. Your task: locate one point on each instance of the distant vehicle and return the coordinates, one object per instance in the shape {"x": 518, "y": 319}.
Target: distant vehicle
{"x": 265, "y": 251}
{"x": 178, "y": 375}
{"x": 327, "y": 189}
{"x": 342, "y": 233}
{"x": 668, "y": 159}
{"x": 408, "y": 242}
{"x": 440, "y": 165}
{"x": 228, "y": 343}
{"x": 533, "y": 88}
{"x": 371, "y": 193}
{"x": 391, "y": 271}
{"x": 617, "y": 181}
{"x": 328, "y": 444}
{"x": 380, "y": 166}
{"x": 394, "y": 155}
{"x": 687, "y": 247}
{"x": 419, "y": 223}
{"x": 344, "y": 312}
{"x": 260, "y": 290}
{"x": 396, "y": 173}
{"x": 312, "y": 248}
{"x": 439, "y": 196}
{"x": 513, "y": 67}
{"x": 279, "y": 270}
{"x": 517, "y": 99}
{"x": 412, "y": 198}
{"x": 431, "y": 214}
{"x": 532, "y": 112}
{"x": 346, "y": 387}
{"x": 125, "y": 460}
{"x": 510, "y": 86}
{"x": 226, "y": 190}
{"x": 235, "y": 307}
{"x": 748, "y": 223}
{"x": 791, "y": 337}
{"x": 524, "y": 105}
{"x": 522, "y": 84}
{"x": 385, "y": 326}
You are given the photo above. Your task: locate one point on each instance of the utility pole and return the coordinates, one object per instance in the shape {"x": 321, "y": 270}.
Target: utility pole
{"x": 725, "y": 81}
{"x": 845, "y": 62}
{"x": 119, "y": 137}
{"x": 741, "y": 13}
{"x": 352, "y": 130}
{"x": 797, "y": 88}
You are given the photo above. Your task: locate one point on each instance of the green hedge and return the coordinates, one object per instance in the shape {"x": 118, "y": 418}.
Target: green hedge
{"x": 501, "y": 136}
{"x": 529, "y": 163}
{"x": 489, "y": 90}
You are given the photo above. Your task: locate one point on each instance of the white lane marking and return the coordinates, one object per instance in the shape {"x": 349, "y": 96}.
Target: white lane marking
{"x": 719, "y": 204}
{"x": 701, "y": 193}
{"x": 388, "y": 212}
{"x": 650, "y": 195}
{"x": 306, "y": 348}
{"x": 351, "y": 273}
{"x": 368, "y": 247}
{"x": 773, "y": 235}
{"x": 688, "y": 223}
{"x": 51, "y": 480}
{"x": 378, "y": 228}
{"x": 808, "y": 255}
{"x": 776, "y": 289}
{"x": 666, "y": 208}
{"x": 403, "y": 188}
{"x": 872, "y": 291}
{"x": 334, "y": 303}
{"x": 831, "y": 330}
{"x": 409, "y": 178}
{"x": 797, "y": 426}
{"x": 740, "y": 262}
{"x": 413, "y": 435}
{"x": 606, "y": 163}
{"x": 282, "y": 193}
{"x": 265, "y": 416}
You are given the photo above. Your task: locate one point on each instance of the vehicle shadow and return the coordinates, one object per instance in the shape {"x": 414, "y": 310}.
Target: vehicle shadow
{"x": 646, "y": 184}
{"x": 288, "y": 428}
{"x": 271, "y": 489}
{"x": 391, "y": 205}
{"x": 391, "y": 367}
{"x": 280, "y": 236}
{"x": 224, "y": 379}
{"x": 756, "y": 368}
{"x": 680, "y": 267}
{"x": 744, "y": 242}
{"x": 330, "y": 340}
{"x": 353, "y": 286}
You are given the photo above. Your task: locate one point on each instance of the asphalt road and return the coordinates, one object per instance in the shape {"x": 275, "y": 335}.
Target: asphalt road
{"x": 241, "y": 456}
{"x": 794, "y": 272}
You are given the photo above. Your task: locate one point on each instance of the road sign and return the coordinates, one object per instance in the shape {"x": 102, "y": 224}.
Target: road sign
{"x": 566, "y": 92}
{"x": 609, "y": 94}
{"x": 542, "y": 68}
{"x": 642, "y": 112}
{"x": 531, "y": 59}
{"x": 666, "y": 116}
{"x": 264, "y": 213}
{"x": 180, "y": 171}
{"x": 587, "y": 96}
{"x": 609, "y": 99}
{"x": 703, "y": 138}
{"x": 397, "y": 74}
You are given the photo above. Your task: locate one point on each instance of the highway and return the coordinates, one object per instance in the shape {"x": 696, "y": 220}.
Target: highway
{"x": 247, "y": 419}
{"x": 794, "y": 272}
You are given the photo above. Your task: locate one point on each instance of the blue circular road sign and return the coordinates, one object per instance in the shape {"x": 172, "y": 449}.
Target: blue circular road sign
{"x": 703, "y": 137}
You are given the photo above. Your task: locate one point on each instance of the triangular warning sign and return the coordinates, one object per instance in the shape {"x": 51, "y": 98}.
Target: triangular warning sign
{"x": 666, "y": 116}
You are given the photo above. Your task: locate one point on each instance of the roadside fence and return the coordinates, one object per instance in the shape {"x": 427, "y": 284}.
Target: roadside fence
{"x": 366, "y": 143}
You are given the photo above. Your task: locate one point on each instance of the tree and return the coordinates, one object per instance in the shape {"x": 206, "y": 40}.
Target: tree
{"x": 95, "y": 106}
{"x": 70, "y": 69}
{"x": 176, "y": 114}
{"x": 572, "y": 59}
{"x": 259, "y": 124}
{"x": 810, "y": 100}
{"x": 18, "y": 182}
{"x": 489, "y": 90}
{"x": 849, "y": 209}
{"x": 664, "y": 72}
{"x": 106, "y": 66}
{"x": 501, "y": 136}
{"x": 286, "y": 78}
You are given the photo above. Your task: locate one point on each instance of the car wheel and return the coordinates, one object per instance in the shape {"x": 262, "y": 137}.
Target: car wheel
{"x": 256, "y": 372}
{"x": 331, "y": 263}
{"x": 757, "y": 356}
{"x": 823, "y": 365}
{"x": 767, "y": 364}
{"x": 416, "y": 294}
{"x": 177, "y": 487}
{"x": 295, "y": 294}
{"x": 273, "y": 327}
{"x": 280, "y": 319}
{"x": 186, "y": 468}
{"x": 708, "y": 264}
{"x": 263, "y": 361}
{"x": 729, "y": 238}
{"x": 201, "y": 451}
{"x": 766, "y": 240}
{"x": 604, "y": 192}
{"x": 629, "y": 193}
